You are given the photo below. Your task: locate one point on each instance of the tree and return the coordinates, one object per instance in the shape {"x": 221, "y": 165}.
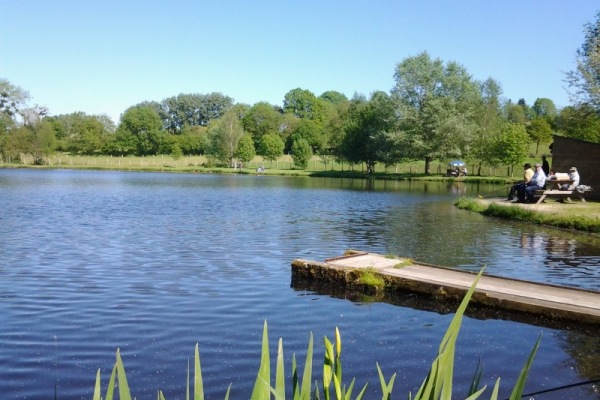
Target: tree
{"x": 301, "y": 153}
{"x": 193, "y": 139}
{"x": 539, "y": 130}
{"x": 304, "y": 104}
{"x": 192, "y": 109}
{"x": 245, "y": 150}
{"x": 225, "y": 133}
{"x": 333, "y": 97}
{"x": 261, "y": 119}
{"x": 311, "y": 132}
{"x": 140, "y": 128}
{"x": 369, "y": 134}
{"x": 271, "y": 147}
{"x": 489, "y": 119}
{"x": 515, "y": 113}
{"x": 579, "y": 122}
{"x": 79, "y": 133}
{"x": 510, "y": 148}
{"x": 585, "y": 80}
{"x": 12, "y": 99}
{"x": 543, "y": 107}
{"x": 437, "y": 105}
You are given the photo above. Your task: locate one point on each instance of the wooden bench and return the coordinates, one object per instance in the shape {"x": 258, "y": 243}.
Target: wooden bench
{"x": 558, "y": 194}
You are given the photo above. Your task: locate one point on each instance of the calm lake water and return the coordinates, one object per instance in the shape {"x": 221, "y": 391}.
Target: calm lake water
{"x": 154, "y": 263}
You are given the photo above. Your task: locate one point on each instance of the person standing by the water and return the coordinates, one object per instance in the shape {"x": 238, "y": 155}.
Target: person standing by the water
{"x": 545, "y": 166}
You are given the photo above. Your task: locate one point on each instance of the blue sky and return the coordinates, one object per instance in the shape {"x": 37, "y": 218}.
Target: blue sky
{"x": 103, "y": 56}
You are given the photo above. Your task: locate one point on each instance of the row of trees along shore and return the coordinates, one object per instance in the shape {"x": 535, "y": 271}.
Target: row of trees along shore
{"x": 435, "y": 111}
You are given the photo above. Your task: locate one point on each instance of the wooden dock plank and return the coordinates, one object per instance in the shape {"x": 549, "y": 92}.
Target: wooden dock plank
{"x": 549, "y": 300}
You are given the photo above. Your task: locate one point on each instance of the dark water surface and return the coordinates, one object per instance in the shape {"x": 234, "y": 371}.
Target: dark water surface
{"x": 155, "y": 263}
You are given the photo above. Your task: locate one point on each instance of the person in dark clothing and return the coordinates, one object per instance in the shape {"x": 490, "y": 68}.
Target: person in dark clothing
{"x": 545, "y": 166}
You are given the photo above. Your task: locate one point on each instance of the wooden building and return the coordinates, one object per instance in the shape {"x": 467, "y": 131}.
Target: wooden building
{"x": 567, "y": 153}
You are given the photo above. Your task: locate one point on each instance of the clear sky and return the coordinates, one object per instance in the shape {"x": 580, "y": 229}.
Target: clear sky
{"x": 103, "y": 56}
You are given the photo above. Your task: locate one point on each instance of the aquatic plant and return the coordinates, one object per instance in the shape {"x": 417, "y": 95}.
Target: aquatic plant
{"x": 437, "y": 384}
{"x": 370, "y": 277}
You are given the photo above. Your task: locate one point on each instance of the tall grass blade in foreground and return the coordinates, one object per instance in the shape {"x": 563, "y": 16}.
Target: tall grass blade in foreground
{"x": 438, "y": 383}
{"x": 262, "y": 386}
{"x": 520, "y": 385}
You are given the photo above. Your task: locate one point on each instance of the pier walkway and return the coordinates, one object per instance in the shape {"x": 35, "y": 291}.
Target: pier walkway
{"x": 551, "y": 301}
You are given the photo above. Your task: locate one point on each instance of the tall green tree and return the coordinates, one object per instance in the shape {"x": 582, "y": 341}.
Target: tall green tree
{"x": 193, "y": 139}
{"x": 225, "y": 134}
{"x": 301, "y": 153}
{"x": 510, "y": 148}
{"x": 245, "y": 151}
{"x": 489, "y": 120}
{"x": 585, "y": 79}
{"x": 369, "y": 135}
{"x": 304, "y": 104}
{"x": 12, "y": 100}
{"x": 80, "y": 133}
{"x": 139, "y": 131}
{"x": 193, "y": 109}
{"x": 515, "y": 113}
{"x": 271, "y": 147}
{"x": 333, "y": 97}
{"x": 579, "y": 122}
{"x": 539, "y": 130}
{"x": 437, "y": 106}
{"x": 543, "y": 107}
{"x": 262, "y": 118}
{"x": 310, "y": 131}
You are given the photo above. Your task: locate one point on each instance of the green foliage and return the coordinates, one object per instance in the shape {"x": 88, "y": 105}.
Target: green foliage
{"x": 579, "y": 122}
{"x": 539, "y": 130}
{"x": 304, "y": 104}
{"x": 261, "y": 119}
{"x": 438, "y": 104}
{"x": 140, "y": 129}
{"x": 301, "y": 153}
{"x": 192, "y": 109}
{"x": 271, "y": 147}
{"x": 578, "y": 222}
{"x": 333, "y": 97}
{"x": 12, "y": 99}
{"x": 585, "y": 80}
{"x": 245, "y": 149}
{"x": 370, "y": 277}
{"x": 369, "y": 133}
{"x": 510, "y": 148}
{"x": 225, "y": 134}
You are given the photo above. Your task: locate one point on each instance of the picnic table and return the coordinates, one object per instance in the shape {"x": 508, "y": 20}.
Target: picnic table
{"x": 554, "y": 190}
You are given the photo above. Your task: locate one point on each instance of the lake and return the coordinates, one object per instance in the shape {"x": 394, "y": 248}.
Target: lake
{"x": 153, "y": 263}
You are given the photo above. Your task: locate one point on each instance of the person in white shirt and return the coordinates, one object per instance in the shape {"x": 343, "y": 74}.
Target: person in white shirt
{"x": 538, "y": 182}
{"x": 573, "y": 176}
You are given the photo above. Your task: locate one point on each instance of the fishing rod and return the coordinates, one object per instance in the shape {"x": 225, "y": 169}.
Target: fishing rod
{"x": 592, "y": 381}
{"x": 495, "y": 191}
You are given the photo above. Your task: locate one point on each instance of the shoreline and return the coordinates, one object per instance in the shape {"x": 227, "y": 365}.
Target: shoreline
{"x": 574, "y": 215}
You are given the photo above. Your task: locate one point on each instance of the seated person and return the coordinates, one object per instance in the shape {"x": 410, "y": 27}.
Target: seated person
{"x": 527, "y": 175}
{"x": 573, "y": 176}
{"x": 538, "y": 182}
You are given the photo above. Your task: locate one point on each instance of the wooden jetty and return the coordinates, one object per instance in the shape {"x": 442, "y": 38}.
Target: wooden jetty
{"x": 405, "y": 275}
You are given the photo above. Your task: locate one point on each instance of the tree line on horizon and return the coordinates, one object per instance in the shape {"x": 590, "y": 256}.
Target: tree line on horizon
{"x": 435, "y": 111}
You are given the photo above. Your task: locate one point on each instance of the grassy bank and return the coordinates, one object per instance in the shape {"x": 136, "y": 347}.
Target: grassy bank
{"x": 577, "y": 215}
{"x": 282, "y": 167}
